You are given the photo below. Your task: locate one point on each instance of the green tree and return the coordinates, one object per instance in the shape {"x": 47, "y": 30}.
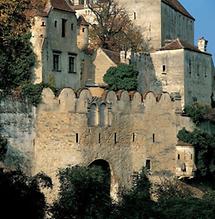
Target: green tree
{"x": 16, "y": 55}
{"x": 20, "y": 195}
{"x": 122, "y": 77}
{"x": 3, "y": 147}
{"x": 205, "y": 150}
{"x": 136, "y": 203}
{"x": 83, "y": 194}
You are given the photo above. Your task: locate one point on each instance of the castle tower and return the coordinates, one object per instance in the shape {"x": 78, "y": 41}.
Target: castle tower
{"x": 83, "y": 33}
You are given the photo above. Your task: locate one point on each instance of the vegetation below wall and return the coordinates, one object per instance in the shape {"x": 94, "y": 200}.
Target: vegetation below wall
{"x": 84, "y": 195}
{"x": 204, "y": 149}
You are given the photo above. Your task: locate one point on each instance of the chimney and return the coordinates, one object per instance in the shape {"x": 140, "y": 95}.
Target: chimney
{"x": 202, "y": 44}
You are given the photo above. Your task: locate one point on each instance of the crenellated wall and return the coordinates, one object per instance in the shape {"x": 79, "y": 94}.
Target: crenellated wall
{"x": 128, "y": 130}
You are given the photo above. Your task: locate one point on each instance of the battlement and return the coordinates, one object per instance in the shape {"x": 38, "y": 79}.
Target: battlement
{"x": 117, "y": 102}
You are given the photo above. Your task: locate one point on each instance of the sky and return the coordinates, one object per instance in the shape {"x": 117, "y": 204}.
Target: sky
{"x": 204, "y": 13}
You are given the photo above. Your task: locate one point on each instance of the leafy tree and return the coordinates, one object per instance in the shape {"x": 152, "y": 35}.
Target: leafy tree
{"x": 3, "y": 147}
{"x": 122, "y": 77}
{"x": 113, "y": 28}
{"x": 176, "y": 201}
{"x": 16, "y": 55}
{"x": 136, "y": 203}
{"x": 20, "y": 195}
{"x": 197, "y": 112}
{"x": 83, "y": 194}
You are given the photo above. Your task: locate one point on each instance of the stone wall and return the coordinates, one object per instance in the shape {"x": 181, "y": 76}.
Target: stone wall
{"x": 17, "y": 124}
{"x": 176, "y": 25}
{"x": 127, "y": 131}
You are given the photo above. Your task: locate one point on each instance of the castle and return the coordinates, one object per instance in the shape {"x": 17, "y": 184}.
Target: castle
{"x": 121, "y": 131}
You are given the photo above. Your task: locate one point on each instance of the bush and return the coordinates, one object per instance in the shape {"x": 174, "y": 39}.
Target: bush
{"x": 3, "y": 147}
{"x": 197, "y": 112}
{"x": 20, "y": 195}
{"x": 122, "y": 77}
{"x": 83, "y": 194}
{"x": 205, "y": 150}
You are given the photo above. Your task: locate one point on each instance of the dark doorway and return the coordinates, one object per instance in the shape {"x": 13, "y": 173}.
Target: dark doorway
{"x": 104, "y": 165}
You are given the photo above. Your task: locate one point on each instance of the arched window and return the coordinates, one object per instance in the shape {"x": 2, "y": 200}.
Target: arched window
{"x": 102, "y": 114}
{"x": 92, "y": 115}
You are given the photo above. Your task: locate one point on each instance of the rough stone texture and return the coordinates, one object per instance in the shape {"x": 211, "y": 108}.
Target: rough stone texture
{"x": 17, "y": 124}
{"x": 125, "y": 133}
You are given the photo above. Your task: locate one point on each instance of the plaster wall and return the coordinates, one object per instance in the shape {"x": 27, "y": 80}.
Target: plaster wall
{"x": 176, "y": 25}
{"x": 51, "y": 41}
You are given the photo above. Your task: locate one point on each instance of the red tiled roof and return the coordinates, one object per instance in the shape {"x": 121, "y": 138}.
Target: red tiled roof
{"x": 179, "y": 44}
{"x": 178, "y": 7}
{"x": 62, "y": 5}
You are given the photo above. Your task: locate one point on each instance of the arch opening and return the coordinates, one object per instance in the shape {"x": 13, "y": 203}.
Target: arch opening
{"x": 105, "y": 167}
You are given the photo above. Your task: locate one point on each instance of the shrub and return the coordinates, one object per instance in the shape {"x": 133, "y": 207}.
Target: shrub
{"x": 122, "y": 77}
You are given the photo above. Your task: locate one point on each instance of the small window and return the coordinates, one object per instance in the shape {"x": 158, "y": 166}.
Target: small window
{"x": 133, "y": 137}
{"x": 179, "y": 157}
{"x": 153, "y": 138}
{"x": 190, "y": 67}
{"x": 191, "y": 156}
{"x": 164, "y": 68}
{"x": 148, "y": 164}
{"x": 135, "y": 15}
{"x": 43, "y": 24}
{"x": 115, "y": 138}
{"x": 76, "y": 138}
{"x": 55, "y": 23}
{"x": 64, "y": 27}
{"x": 83, "y": 29}
{"x": 56, "y": 61}
{"x": 72, "y": 26}
{"x": 99, "y": 138}
{"x": 72, "y": 64}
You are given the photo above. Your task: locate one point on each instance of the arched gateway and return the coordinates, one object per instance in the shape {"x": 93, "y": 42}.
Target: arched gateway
{"x": 110, "y": 180}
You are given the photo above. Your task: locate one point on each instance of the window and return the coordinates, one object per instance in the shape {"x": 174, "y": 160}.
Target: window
{"x": 115, "y": 138}
{"x": 72, "y": 26}
{"x": 81, "y": 2}
{"x": 102, "y": 115}
{"x": 153, "y": 138}
{"x": 43, "y": 24}
{"x": 64, "y": 27}
{"x": 133, "y": 137}
{"x": 148, "y": 164}
{"x": 190, "y": 67}
{"x": 55, "y": 23}
{"x": 72, "y": 64}
{"x": 83, "y": 29}
{"x": 56, "y": 61}
{"x": 76, "y": 138}
{"x": 99, "y": 138}
{"x": 135, "y": 16}
{"x": 179, "y": 157}
{"x": 164, "y": 69}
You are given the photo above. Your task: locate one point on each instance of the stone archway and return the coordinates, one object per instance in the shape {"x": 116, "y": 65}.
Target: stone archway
{"x": 112, "y": 185}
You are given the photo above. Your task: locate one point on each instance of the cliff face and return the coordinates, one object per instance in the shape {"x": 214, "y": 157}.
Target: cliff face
{"x": 17, "y": 119}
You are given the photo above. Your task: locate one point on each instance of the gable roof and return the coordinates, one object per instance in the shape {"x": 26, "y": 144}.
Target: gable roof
{"x": 179, "y": 44}
{"x": 175, "y": 4}
{"x": 82, "y": 21}
{"x": 114, "y": 56}
{"x": 62, "y": 5}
